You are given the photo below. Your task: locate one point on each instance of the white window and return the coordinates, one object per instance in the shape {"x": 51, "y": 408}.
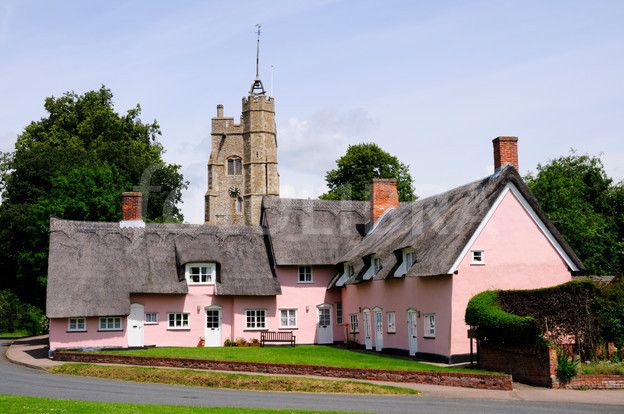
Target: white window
{"x": 151, "y": 318}
{"x": 349, "y": 270}
{"x": 234, "y": 166}
{"x": 429, "y": 325}
{"x": 354, "y": 327}
{"x": 256, "y": 318}
{"x": 110, "y": 324}
{"x": 76, "y": 325}
{"x": 178, "y": 321}
{"x": 478, "y": 257}
{"x": 288, "y": 318}
{"x": 305, "y": 274}
{"x": 391, "y": 317}
{"x": 201, "y": 273}
{"x": 409, "y": 258}
{"x": 376, "y": 264}
{"x": 339, "y": 320}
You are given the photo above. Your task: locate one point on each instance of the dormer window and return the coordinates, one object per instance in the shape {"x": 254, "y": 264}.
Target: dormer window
{"x": 376, "y": 263}
{"x": 408, "y": 258}
{"x": 234, "y": 166}
{"x": 201, "y": 273}
{"x": 478, "y": 257}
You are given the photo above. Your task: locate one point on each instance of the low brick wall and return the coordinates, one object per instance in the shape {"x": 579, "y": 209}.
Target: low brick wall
{"x": 535, "y": 365}
{"x": 594, "y": 382}
{"x": 468, "y": 380}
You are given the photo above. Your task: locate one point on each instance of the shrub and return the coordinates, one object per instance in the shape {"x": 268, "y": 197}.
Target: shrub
{"x": 255, "y": 341}
{"x": 566, "y": 366}
{"x": 496, "y": 325}
{"x": 15, "y": 315}
{"x": 228, "y": 342}
{"x": 603, "y": 367}
{"x": 241, "y": 341}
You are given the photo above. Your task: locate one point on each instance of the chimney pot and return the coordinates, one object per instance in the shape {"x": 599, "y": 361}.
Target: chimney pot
{"x": 505, "y": 152}
{"x": 131, "y": 209}
{"x": 384, "y": 196}
{"x": 219, "y": 111}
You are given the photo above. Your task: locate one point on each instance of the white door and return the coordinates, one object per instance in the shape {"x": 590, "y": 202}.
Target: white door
{"x": 368, "y": 342}
{"x": 412, "y": 332}
{"x": 324, "y": 329}
{"x": 212, "y": 335}
{"x": 378, "y": 330}
{"x": 135, "y": 325}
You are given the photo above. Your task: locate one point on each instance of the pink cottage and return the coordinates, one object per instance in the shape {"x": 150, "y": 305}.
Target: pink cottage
{"x": 391, "y": 276}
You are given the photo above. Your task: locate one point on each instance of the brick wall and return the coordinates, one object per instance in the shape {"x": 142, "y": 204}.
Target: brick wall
{"x": 537, "y": 365}
{"x": 468, "y": 380}
{"x": 131, "y": 206}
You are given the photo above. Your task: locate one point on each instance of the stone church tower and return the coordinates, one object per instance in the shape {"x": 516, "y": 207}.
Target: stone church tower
{"x": 242, "y": 167}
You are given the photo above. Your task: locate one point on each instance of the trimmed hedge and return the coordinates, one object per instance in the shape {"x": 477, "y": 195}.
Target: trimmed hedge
{"x": 498, "y": 326}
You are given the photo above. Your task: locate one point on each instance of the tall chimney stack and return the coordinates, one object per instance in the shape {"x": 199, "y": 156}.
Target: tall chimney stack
{"x": 505, "y": 152}
{"x": 131, "y": 209}
{"x": 219, "y": 111}
{"x": 384, "y": 196}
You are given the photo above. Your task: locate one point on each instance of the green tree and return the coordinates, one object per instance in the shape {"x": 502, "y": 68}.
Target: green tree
{"x": 356, "y": 169}
{"x": 74, "y": 164}
{"x": 582, "y": 201}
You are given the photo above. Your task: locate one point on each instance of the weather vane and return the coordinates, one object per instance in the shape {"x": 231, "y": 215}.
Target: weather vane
{"x": 257, "y": 88}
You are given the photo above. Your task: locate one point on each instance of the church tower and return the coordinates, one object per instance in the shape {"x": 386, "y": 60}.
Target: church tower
{"x": 242, "y": 167}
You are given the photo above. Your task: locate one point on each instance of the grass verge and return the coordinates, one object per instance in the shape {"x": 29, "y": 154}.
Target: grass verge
{"x": 12, "y": 404}
{"x": 329, "y": 356}
{"x": 227, "y": 381}
{"x": 603, "y": 368}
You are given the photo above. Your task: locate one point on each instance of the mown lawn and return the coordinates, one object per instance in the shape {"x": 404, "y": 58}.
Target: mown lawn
{"x": 301, "y": 354}
{"x": 11, "y": 404}
{"x": 225, "y": 380}
{"x": 16, "y": 334}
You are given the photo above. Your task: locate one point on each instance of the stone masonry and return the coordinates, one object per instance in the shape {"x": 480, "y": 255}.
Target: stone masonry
{"x": 242, "y": 167}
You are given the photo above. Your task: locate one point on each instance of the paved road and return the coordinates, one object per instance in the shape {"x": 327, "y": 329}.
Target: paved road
{"x": 19, "y": 380}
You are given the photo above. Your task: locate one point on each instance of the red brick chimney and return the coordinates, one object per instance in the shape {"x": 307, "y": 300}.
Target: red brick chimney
{"x": 505, "y": 152}
{"x": 384, "y": 196}
{"x": 131, "y": 209}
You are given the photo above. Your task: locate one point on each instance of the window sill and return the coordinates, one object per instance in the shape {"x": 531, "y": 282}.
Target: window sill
{"x": 477, "y": 264}
{"x": 76, "y": 331}
{"x": 178, "y": 329}
{"x": 391, "y": 333}
{"x": 150, "y": 323}
{"x": 255, "y": 329}
{"x": 305, "y": 283}
{"x": 288, "y": 328}
{"x": 199, "y": 284}
{"x": 110, "y": 330}
{"x": 429, "y": 337}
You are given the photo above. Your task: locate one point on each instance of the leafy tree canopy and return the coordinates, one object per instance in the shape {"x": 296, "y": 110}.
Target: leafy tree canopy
{"x": 355, "y": 170}
{"x": 74, "y": 164}
{"x": 587, "y": 208}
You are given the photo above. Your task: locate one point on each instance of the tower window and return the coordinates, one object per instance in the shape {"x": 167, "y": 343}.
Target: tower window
{"x": 239, "y": 205}
{"x": 234, "y": 166}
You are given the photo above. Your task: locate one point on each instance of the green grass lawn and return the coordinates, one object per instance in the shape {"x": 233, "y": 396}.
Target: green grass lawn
{"x": 11, "y": 404}
{"x": 16, "y": 334}
{"x": 301, "y": 354}
{"x": 227, "y": 381}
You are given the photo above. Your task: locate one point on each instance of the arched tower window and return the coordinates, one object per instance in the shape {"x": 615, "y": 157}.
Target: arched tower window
{"x": 239, "y": 204}
{"x": 234, "y": 166}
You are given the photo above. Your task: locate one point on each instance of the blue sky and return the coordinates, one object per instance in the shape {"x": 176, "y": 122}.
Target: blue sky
{"x": 431, "y": 82}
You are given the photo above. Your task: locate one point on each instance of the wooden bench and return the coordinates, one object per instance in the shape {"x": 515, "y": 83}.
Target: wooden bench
{"x": 277, "y": 337}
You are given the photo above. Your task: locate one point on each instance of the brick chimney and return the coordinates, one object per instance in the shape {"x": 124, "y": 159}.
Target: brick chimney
{"x": 131, "y": 209}
{"x": 384, "y": 196}
{"x": 505, "y": 152}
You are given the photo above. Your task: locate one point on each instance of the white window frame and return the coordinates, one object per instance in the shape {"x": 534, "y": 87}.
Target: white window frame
{"x": 480, "y": 254}
{"x": 182, "y": 327}
{"x": 117, "y": 324}
{"x": 155, "y": 321}
{"x": 211, "y": 274}
{"x": 288, "y": 318}
{"x": 305, "y": 274}
{"x": 76, "y": 329}
{"x": 339, "y": 314}
{"x": 391, "y": 322}
{"x": 429, "y": 328}
{"x": 255, "y": 326}
{"x": 354, "y": 323}
{"x": 405, "y": 265}
{"x": 376, "y": 264}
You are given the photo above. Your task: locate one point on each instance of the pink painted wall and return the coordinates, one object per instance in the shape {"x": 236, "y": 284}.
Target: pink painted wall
{"x": 60, "y": 338}
{"x": 517, "y": 256}
{"x": 425, "y": 294}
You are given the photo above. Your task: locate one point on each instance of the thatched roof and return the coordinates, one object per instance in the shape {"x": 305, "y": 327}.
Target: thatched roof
{"x": 313, "y": 232}
{"x": 438, "y": 228}
{"x": 94, "y": 267}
